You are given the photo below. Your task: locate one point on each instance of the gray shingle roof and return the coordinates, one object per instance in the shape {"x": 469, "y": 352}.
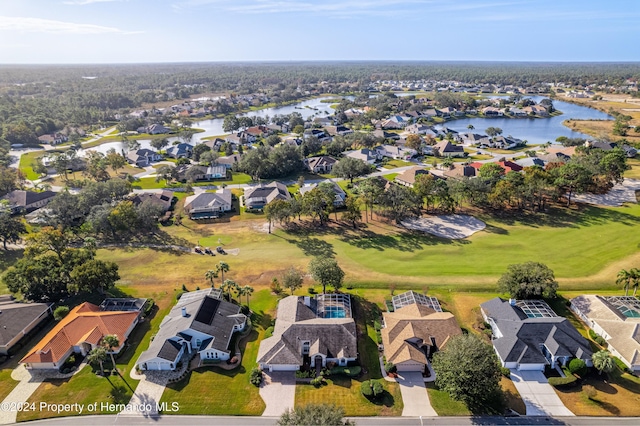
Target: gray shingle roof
{"x": 14, "y": 317}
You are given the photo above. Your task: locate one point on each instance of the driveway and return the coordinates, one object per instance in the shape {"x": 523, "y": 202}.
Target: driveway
{"x": 414, "y": 395}
{"x": 538, "y": 395}
{"x": 278, "y": 390}
{"x": 147, "y": 395}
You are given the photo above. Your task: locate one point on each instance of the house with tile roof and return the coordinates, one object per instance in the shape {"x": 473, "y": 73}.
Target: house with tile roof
{"x": 414, "y": 332}
{"x": 79, "y": 332}
{"x": 528, "y": 335}
{"x": 17, "y": 320}
{"x": 200, "y": 324}
{"x": 310, "y": 332}
{"x": 617, "y": 320}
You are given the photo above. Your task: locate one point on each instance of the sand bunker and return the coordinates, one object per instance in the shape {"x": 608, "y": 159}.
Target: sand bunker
{"x": 453, "y": 227}
{"x": 621, "y": 193}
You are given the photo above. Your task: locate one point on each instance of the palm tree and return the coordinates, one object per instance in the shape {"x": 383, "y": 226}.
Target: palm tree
{"x": 111, "y": 341}
{"x": 98, "y": 355}
{"x": 227, "y": 286}
{"x": 635, "y": 274}
{"x": 248, "y": 291}
{"x": 625, "y": 278}
{"x": 603, "y": 361}
{"x": 222, "y": 267}
{"x": 210, "y": 275}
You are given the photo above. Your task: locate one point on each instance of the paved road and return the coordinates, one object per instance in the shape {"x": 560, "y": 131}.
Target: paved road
{"x": 278, "y": 391}
{"x": 415, "y": 396}
{"x": 538, "y": 395}
{"x": 360, "y": 421}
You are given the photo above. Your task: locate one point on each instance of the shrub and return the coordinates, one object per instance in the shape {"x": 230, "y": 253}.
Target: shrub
{"x": 589, "y": 391}
{"x": 597, "y": 338}
{"x": 184, "y": 288}
{"x": 268, "y": 332}
{"x": 60, "y": 312}
{"x": 353, "y": 371}
{"x": 255, "y": 377}
{"x": 621, "y": 365}
{"x": 179, "y": 295}
{"x": 390, "y": 367}
{"x": 505, "y": 372}
{"x": 318, "y": 381}
{"x": 377, "y": 325}
{"x": 562, "y": 381}
{"x": 371, "y": 388}
{"x": 148, "y": 307}
{"x": 312, "y": 290}
{"x": 577, "y": 366}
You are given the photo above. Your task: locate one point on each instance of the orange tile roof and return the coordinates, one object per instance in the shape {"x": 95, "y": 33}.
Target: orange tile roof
{"x": 85, "y": 323}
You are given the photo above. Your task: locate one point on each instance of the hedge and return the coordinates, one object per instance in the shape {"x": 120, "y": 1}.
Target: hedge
{"x": 621, "y": 365}
{"x": 562, "y": 381}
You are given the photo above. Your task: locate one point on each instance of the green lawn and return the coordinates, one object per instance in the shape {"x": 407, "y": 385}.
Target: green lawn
{"x": 390, "y": 176}
{"x": 200, "y": 392}
{"x": 7, "y": 383}
{"x": 7, "y": 258}
{"x": 392, "y": 164}
{"x": 444, "y": 405}
{"x": 26, "y": 161}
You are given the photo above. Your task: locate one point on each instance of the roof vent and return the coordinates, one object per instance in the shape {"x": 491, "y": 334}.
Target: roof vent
{"x": 184, "y": 312}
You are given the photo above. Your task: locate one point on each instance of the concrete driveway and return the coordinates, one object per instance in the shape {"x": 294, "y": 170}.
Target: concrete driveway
{"x": 278, "y": 390}
{"x": 414, "y": 395}
{"x": 538, "y": 395}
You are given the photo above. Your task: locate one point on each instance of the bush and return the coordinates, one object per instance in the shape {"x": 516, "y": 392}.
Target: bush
{"x": 377, "y": 325}
{"x": 589, "y": 391}
{"x": 60, "y": 312}
{"x": 255, "y": 377}
{"x": 305, "y": 374}
{"x": 505, "y": 372}
{"x": 179, "y": 295}
{"x": 318, "y": 381}
{"x": 312, "y": 290}
{"x": 621, "y": 365}
{"x": 268, "y": 332}
{"x": 148, "y": 307}
{"x": 597, "y": 338}
{"x": 390, "y": 367}
{"x": 562, "y": 381}
{"x": 353, "y": 371}
{"x": 371, "y": 388}
{"x": 577, "y": 366}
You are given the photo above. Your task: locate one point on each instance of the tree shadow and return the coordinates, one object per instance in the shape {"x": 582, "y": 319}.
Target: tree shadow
{"x": 314, "y": 247}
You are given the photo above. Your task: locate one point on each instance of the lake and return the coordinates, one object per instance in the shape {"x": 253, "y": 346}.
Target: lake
{"x": 535, "y": 130}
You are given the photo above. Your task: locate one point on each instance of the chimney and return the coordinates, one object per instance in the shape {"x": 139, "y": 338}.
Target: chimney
{"x": 184, "y": 312}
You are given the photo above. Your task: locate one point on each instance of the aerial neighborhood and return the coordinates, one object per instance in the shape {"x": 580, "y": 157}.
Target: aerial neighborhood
{"x": 384, "y": 246}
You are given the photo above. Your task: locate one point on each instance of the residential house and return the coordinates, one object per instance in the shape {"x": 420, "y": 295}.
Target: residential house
{"x": 321, "y": 135}
{"x": 256, "y": 197}
{"x": 323, "y": 164}
{"x": 629, "y": 151}
{"x": 530, "y": 162}
{"x": 215, "y": 144}
{"x": 459, "y": 171}
{"x": 200, "y": 324}
{"x": 53, "y": 139}
{"x": 241, "y": 138}
{"x": 21, "y": 201}
{"x": 395, "y": 152}
{"x": 617, "y": 320}
{"x": 340, "y": 195}
{"x": 143, "y": 157}
{"x": 381, "y": 134}
{"x": 414, "y": 331}
{"x": 367, "y": 155}
{"x": 408, "y": 177}
{"x": 203, "y": 172}
{"x": 323, "y": 121}
{"x": 310, "y": 332}
{"x": 509, "y": 166}
{"x": 419, "y": 129}
{"x": 528, "y": 335}
{"x": 157, "y": 129}
{"x": 260, "y": 131}
{"x": 207, "y": 205}
{"x": 447, "y": 149}
{"x": 17, "y": 320}
{"x": 229, "y": 161}
{"x": 338, "y": 130}
{"x": 82, "y": 330}
{"x": 181, "y": 150}
{"x": 538, "y": 110}
{"x": 470, "y": 138}
{"x": 163, "y": 199}
{"x": 492, "y": 112}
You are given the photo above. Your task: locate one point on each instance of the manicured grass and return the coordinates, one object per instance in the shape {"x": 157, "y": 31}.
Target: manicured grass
{"x": 444, "y": 404}
{"x": 634, "y": 172}
{"x": 84, "y": 388}
{"x": 26, "y": 161}
{"x": 200, "y": 392}
{"x": 7, "y": 383}
{"x": 512, "y": 396}
{"x": 392, "y": 164}
{"x": 149, "y": 183}
{"x": 390, "y": 177}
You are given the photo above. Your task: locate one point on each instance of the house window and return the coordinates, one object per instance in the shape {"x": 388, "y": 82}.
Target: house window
{"x": 305, "y": 348}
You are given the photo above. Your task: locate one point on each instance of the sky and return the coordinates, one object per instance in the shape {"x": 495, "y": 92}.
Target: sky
{"x": 134, "y": 31}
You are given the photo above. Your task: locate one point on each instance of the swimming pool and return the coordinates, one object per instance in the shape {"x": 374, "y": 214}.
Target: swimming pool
{"x": 334, "y": 312}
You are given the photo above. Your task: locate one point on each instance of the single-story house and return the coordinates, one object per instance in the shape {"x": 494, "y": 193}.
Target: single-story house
{"x": 256, "y": 197}
{"x": 617, "y": 320}
{"x": 18, "y": 319}
{"x": 447, "y": 149}
{"x": 310, "y": 332}
{"x": 157, "y": 129}
{"x": 182, "y": 150}
{"x": 338, "y": 130}
{"x": 206, "y": 205}
{"x": 321, "y": 164}
{"x": 340, "y": 198}
{"x": 460, "y": 171}
{"x": 414, "y": 332}
{"x": 367, "y": 155}
{"x": 143, "y": 157}
{"x": 81, "y": 331}
{"x": 28, "y": 201}
{"x": 528, "y": 335}
{"x": 229, "y": 161}
{"x": 162, "y": 199}
{"x": 395, "y": 152}
{"x": 53, "y": 139}
{"x": 408, "y": 177}
{"x": 530, "y": 162}
{"x": 201, "y": 323}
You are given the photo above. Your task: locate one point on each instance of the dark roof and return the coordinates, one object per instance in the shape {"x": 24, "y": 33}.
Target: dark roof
{"x": 170, "y": 350}
{"x": 24, "y": 198}
{"x": 15, "y": 317}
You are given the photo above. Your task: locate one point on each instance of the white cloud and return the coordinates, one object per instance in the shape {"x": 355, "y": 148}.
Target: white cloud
{"x": 85, "y": 2}
{"x": 37, "y": 25}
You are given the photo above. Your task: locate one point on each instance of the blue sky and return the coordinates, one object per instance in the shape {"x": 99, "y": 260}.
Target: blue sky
{"x": 108, "y": 31}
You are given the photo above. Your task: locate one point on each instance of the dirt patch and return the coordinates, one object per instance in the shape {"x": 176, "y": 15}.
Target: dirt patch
{"x": 233, "y": 252}
{"x": 261, "y": 227}
{"x": 453, "y": 227}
